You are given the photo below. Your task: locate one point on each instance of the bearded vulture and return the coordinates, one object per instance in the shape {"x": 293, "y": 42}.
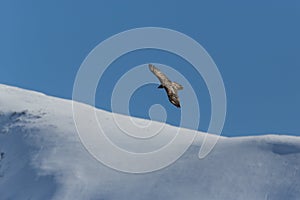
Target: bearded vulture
{"x": 170, "y": 87}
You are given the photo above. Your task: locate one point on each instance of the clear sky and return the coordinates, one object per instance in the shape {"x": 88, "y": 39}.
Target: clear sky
{"x": 255, "y": 44}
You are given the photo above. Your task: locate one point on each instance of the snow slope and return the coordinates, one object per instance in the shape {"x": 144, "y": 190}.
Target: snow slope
{"x": 41, "y": 157}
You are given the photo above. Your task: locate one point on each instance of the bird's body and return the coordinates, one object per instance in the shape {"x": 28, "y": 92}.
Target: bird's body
{"x": 170, "y": 87}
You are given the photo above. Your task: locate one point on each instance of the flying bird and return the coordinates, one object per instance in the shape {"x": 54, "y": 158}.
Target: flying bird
{"x": 170, "y": 87}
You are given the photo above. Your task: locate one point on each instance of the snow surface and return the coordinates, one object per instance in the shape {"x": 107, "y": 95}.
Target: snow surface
{"x": 41, "y": 157}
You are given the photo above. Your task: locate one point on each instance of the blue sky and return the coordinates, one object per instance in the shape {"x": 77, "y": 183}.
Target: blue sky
{"x": 255, "y": 45}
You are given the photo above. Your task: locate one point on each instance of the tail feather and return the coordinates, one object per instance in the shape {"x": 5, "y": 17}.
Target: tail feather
{"x": 177, "y": 86}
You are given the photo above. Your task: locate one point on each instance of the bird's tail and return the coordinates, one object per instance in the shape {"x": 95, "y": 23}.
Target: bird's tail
{"x": 177, "y": 86}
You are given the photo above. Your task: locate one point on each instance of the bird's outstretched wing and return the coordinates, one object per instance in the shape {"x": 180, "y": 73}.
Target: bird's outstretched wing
{"x": 173, "y": 96}
{"x": 162, "y": 78}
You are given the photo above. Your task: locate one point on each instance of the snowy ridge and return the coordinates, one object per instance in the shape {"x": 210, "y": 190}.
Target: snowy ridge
{"x": 41, "y": 157}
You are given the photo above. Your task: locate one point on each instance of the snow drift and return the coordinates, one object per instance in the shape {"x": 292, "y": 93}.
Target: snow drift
{"x": 41, "y": 157}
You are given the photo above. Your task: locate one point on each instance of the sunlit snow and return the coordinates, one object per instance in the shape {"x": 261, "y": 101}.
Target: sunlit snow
{"x": 41, "y": 157}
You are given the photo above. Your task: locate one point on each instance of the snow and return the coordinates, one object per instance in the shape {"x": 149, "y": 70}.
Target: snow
{"x": 42, "y": 158}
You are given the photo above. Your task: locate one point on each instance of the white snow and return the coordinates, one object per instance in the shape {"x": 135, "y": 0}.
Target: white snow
{"x": 43, "y": 158}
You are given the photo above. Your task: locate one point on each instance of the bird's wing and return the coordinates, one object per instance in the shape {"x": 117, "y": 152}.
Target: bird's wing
{"x": 162, "y": 78}
{"x": 177, "y": 86}
{"x": 173, "y": 96}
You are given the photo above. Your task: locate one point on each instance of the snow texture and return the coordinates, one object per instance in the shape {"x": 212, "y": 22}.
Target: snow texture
{"x": 41, "y": 157}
